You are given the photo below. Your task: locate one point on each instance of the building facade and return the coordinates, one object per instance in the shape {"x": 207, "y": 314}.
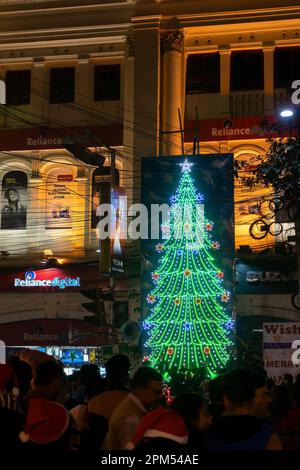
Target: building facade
{"x": 146, "y": 78}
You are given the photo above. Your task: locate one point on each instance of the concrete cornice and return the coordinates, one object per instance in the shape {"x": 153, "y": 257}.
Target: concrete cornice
{"x": 65, "y": 10}
{"x": 241, "y": 16}
{"x": 76, "y": 36}
{"x": 146, "y": 22}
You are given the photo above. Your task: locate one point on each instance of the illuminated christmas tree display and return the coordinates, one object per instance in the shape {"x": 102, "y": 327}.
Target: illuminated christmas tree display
{"x": 189, "y": 325}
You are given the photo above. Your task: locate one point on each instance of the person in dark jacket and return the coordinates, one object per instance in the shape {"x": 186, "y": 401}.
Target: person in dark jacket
{"x": 238, "y": 428}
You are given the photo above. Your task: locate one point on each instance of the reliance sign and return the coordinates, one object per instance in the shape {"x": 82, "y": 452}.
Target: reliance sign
{"x": 31, "y": 281}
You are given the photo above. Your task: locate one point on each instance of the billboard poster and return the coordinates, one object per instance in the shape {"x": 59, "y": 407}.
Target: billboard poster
{"x": 101, "y": 191}
{"x": 100, "y": 194}
{"x": 14, "y": 201}
{"x": 280, "y": 349}
{"x": 188, "y": 253}
{"x": 118, "y": 228}
{"x": 59, "y": 200}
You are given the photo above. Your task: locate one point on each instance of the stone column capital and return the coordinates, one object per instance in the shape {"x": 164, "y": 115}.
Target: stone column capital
{"x": 173, "y": 41}
{"x": 224, "y": 49}
{"x": 268, "y": 46}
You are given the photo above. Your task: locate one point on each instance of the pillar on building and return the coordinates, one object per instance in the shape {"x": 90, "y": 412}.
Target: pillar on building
{"x": 225, "y": 54}
{"x": 83, "y": 82}
{"x": 40, "y": 77}
{"x": 36, "y": 211}
{"x": 172, "y": 91}
{"x": 128, "y": 108}
{"x": 146, "y": 87}
{"x": 268, "y": 49}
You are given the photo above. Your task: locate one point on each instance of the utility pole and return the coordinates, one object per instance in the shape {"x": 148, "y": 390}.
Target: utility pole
{"x": 111, "y": 273}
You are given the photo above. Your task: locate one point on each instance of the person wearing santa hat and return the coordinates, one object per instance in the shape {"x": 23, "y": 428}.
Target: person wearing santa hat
{"x": 160, "y": 428}
{"x": 47, "y": 422}
{"x": 46, "y": 425}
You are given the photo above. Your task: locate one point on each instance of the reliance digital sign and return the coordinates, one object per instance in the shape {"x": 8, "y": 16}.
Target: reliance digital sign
{"x": 33, "y": 279}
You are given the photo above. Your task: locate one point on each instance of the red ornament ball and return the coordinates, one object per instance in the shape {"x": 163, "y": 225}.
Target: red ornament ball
{"x": 155, "y": 276}
{"x": 177, "y": 301}
{"x": 151, "y": 299}
{"x": 187, "y": 273}
{"x": 206, "y": 350}
{"x": 215, "y": 245}
{"x": 209, "y": 227}
{"x": 225, "y": 298}
{"x": 220, "y": 275}
{"x": 198, "y": 301}
{"x": 170, "y": 351}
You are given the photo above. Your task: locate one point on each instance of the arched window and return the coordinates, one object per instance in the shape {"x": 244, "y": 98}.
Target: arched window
{"x": 14, "y": 201}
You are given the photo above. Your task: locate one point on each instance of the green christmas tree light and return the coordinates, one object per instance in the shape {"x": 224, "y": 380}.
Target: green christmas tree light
{"x": 188, "y": 325}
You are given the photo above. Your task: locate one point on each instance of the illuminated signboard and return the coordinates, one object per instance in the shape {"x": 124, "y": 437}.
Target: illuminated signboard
{"x": 30, "y": 280}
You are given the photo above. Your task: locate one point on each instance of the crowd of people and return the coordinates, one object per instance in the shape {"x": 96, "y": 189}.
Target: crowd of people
{"x": 43, "y": 409}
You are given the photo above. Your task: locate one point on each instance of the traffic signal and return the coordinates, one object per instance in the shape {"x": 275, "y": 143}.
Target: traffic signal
{"x": 80, "y": 151}
{"x": 96, "y": 306}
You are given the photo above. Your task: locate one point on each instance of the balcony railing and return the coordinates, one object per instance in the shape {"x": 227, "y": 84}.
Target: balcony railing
{"x": 246, "y": 103}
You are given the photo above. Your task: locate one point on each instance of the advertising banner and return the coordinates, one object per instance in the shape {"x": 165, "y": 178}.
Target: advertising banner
{"x": 59, "y": 201}
{"x": 118, "y": 228}
{"x": 280, "y": 343}
{"x": 14, "y": 201}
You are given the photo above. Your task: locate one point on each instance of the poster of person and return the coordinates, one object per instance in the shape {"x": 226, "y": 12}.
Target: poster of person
{"x": 59, "y": 201}
{"x": 14, "y": 201}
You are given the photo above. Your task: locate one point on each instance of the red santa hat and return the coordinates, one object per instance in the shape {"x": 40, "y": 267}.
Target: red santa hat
{"x": 46, "y": 421}
{"x": 162, "y": 423}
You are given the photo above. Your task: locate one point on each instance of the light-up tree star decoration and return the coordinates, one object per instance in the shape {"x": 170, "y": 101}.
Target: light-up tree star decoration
{"x": 188, "y": 325}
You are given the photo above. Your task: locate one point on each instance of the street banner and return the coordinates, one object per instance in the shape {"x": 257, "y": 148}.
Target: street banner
{"x": 280, "y": 349}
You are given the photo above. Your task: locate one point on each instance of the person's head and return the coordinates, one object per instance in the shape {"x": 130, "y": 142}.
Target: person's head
{"x": 281, "y": 401}
{"x": 262, "y": 398}
{"x": 161, "y": 428}
{"x": 23, "y": 374}
{"x": 48, "y": 380}
{"x": 193, "y": 409}
{"x": 86, "y": 371}
{"x": 46, "y": 424}
{"x": 117, "y": 371}
{"x": 288, "y": 379}
{"x": 94, "y": 385}
{"x": 146, "y": 385}
{"x": 12, "y": 195}
{"x": 238, "y": 391}
{"x": 215, "y": 390}
{"x": 270, "y": 383}
{"x": 296, "y": 393}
